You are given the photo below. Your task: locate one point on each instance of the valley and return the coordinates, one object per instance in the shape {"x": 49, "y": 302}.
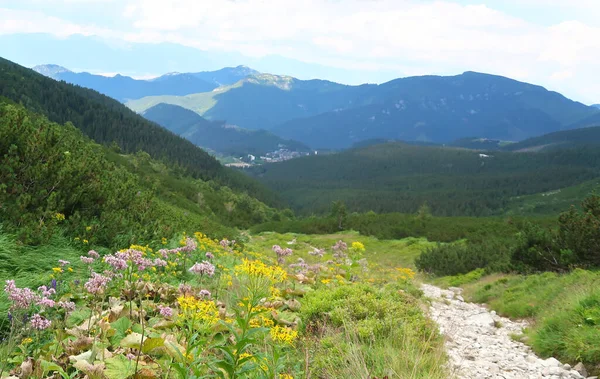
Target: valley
{"x": 242, "y": 224}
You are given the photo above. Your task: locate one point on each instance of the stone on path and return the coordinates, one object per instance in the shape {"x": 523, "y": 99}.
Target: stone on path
{"x": 479, "y": 342}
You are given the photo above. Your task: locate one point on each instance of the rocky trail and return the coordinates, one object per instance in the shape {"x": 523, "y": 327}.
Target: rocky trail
{"x": 479, "y": 342}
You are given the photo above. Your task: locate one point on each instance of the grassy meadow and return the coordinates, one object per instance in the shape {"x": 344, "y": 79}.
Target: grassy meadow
{"x": 327, "y": 306}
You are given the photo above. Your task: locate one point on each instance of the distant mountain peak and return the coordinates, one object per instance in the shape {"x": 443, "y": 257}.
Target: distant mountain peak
{"x": 280, "y": 81}
{"x": 50, "y": 70}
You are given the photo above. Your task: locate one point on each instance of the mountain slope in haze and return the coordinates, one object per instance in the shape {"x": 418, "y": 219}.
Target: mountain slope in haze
{"x": 107, "y": 122}
{"x": 589, "y": 136}
{"x": 428, "y": 108}
{"x": 400, "y": 177}
{"x": 262, "y": 101}
{"x": 217, "y": 135}
{"x": 226, "y": 76}
{"x": 442, "y": 109}
{"x": 596, "y": 106}
{"x": 124, "y": 88}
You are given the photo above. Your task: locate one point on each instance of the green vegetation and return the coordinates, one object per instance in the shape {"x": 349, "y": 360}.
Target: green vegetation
{"x": 254, "y": 318}
{"x": 52, "y": 177}
{"x": 582, "y": 137}
{"x": 218, "y": 135}
{"x": 564, "y": 308}
{"x": 397, "y": 177}
{"x": 108, "y": 122}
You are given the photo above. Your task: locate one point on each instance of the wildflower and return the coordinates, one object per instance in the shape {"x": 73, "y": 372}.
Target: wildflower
{"x": 130, "y": 356}
{"x": 198, "y": 310}
{"x": 69, "y": 306}
{"x": 325, "y": 281}
{"x": 97, "y": 283}
{"x": 205, "y": 293}
{"x": 301, "y": 266}
{"x": 115, "y": 263}
{"x": 209, "y": 255}
{"x": 245, "y": 355}
{"x": 85, "y": 241}
{"x": 165, "y": 311}
{"x": 46, "y": 291}
{"x": 185, "y": 288}
{"x": 70, "y": 269}
{"x": 283, "y": 335}
{"x": 57, "y": 270}
{"x": 39, "y": 323}
{"x": 21, "y": 297}
{"x": 163, "y": 241}
{"x": 358, "y": 246}
{"x": 159, "y": 263}
{"x": 259, "y": 269}
{"x": 87, "y": 260}
{"x": 88, "y": 228}
{"x": 45, "y": 302}
{"x": 27, "y": 341}
{"x": 190, "y": 245}
{"x": 285, "y": 376}
{"x": 317, "y": 252}
{"x": 93, "y": 254}
{"x": 59, "y": 216}
{"x": 63, "y": 263}
{"x": 204, "y": 268}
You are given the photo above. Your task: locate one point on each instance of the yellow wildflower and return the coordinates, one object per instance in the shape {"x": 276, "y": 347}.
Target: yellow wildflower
{"x": 163, "y": 241}
{"x": 59, "y": 216}
{"x": 283, "y": 335}
{"x": 86, "y": 241}
{"x": 325, "y": 281}
{"x": 26, "y": 341}
{"x": 259, "y": 269}
{"x": 88, "y": 228}
{"x": 57, "y": 270}
{"x": 358, "y": 246}
{"x": 198, "y": 310}
{"x": 70, "y": 269}
{"x": 285, "y": 376}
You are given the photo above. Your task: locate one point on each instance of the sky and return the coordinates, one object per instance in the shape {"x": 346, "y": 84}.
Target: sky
{"x": 554, "y": 43}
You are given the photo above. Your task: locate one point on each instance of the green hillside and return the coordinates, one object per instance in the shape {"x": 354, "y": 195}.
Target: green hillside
{"x": 217, "y": 135}
{"x": 589, "y": 136}
{"x": 108, "y": 122}
{"x": 397, "y": 177}
{"x": 54, "y": 178}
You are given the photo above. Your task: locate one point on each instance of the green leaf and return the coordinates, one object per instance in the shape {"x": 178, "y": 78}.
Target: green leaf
{"x": 119, "y": 367}
{"x": 151, "y": 344}
{"x": 121, "y": 326}
{"x": 132, "y": 341}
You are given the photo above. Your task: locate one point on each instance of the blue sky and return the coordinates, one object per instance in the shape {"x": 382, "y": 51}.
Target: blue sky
{"x": 553, "y": 43}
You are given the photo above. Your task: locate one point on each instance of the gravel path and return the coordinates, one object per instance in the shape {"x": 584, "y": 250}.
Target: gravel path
{"x": 479, "y": 345}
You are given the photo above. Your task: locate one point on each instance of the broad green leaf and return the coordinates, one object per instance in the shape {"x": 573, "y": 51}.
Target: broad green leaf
{"x": 151, "y": 344}
{"x": 119, "y": 367}
{"x": 132, "y": 341}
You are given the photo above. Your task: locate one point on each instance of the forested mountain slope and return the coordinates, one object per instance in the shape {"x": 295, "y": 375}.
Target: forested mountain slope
{"x": 108, "y": 122}
{"x": 400, "y": 177}
{"x": 437, "y": 109}
{"x": 218, "y": 135}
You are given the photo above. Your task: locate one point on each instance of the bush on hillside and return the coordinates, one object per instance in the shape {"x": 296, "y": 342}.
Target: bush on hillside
{"x": 458, "y": 258}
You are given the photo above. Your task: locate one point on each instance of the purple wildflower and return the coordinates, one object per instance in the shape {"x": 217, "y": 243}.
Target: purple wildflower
{"x": 45, "y": 302}
{"x": 130, "y": 356}
{"x": 209, "y": 255}
{"x": 63, "y": 263}
{"x": 115, "y": 263}
{"x": 69, "y": 306}
{"x": 40, "y": 323}
{"x": 165, "y": 311}
{"x": 97, "y": 283}
{"x": 185, "y": 288}
{"x": 205, "y": 293}
{"x": 87, "y": 260}
{"x": 46, "y": 291}
{"x": 93, "y": 254}
{"x": 21, "y": 297}
{"x": 204, "y": 268}
{"x": 160, "y": 263}
{"x": 317, "y": 252}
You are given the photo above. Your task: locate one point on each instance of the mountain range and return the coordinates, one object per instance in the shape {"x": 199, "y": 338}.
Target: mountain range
{"x": 438, "y": 109}
{"x": 124, "y": 88}
{"x": 218, "y": 135}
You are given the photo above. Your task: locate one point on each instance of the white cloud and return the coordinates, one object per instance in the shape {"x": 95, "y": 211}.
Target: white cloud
{"x": 408, "y": 36}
